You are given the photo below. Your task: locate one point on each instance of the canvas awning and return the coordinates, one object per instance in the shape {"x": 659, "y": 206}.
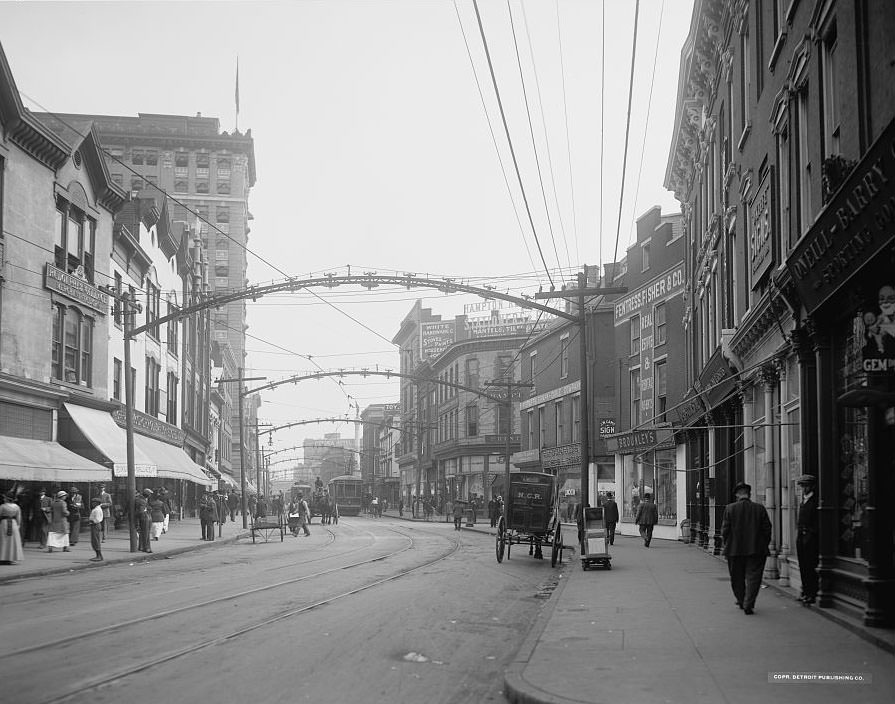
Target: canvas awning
{"x": 171, "y": 461}
{"x": 24, "y": 459}
{"x": 229, "y": 481}
{"x": 104, "y": 434}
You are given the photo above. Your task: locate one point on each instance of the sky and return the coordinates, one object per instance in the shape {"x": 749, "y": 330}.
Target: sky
{"x": 380, "y": 144}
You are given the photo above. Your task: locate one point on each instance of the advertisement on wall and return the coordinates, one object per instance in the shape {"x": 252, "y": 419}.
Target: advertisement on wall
{"x": 665, "y": 286}
{"x": 876, "y": 328}
{"x": 435, "y": 338}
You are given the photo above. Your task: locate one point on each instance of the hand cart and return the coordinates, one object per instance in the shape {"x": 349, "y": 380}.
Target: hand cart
{"x": 268, "y": 526}
{"x": 594, "y": 539}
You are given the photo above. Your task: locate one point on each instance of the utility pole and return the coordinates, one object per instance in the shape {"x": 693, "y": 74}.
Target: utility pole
{"x": 579, "y": 294}
{"x": 508, "y": 384}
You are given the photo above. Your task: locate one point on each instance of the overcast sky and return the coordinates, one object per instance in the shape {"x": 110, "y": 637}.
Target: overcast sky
{"x": 373, "y": 147}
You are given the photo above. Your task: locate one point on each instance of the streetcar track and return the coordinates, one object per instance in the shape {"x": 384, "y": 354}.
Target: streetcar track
{"x": 106, "y": 680}
{"x": 209, "y": 602}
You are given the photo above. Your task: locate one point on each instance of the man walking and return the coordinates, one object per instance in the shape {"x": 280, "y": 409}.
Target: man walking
{"x": 746, "y": 532}
{"x": 610, "y": 515}
{"x": 646, "y": 517}
{"x": 106, "y": 506}
{"x": 807, "y": 539}
{"x": 304, "y": 515}
{"x": 207, "y": 516}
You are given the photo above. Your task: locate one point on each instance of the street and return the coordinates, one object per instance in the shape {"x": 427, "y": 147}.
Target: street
{"x": 365, "y": 610}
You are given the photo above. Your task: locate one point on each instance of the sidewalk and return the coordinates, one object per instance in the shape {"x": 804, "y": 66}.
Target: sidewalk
{"x": 662, "y": 626}
{"x": 182, "y": 536}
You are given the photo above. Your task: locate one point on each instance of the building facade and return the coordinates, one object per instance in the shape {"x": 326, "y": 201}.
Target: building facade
{"x": 781, "y": 159}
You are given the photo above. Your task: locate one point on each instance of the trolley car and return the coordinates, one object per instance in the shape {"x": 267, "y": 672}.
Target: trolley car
{"x": 346, "y": 491}
{"x": 530, "y": 516}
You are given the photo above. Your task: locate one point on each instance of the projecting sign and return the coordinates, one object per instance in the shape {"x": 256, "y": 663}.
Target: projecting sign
{"x": 761, "y": 237}
{"x": 76, "y": 288}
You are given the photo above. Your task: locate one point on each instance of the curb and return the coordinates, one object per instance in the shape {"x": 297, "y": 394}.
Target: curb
{"x": 145, "y": 557}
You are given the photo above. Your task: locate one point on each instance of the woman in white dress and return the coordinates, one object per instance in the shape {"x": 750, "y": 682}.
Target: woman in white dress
{"x": 10, "y": 539}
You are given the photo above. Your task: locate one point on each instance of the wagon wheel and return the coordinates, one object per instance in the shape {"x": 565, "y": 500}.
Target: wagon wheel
{"x": 500, "y": 542}
{"x": 556, "y": 552}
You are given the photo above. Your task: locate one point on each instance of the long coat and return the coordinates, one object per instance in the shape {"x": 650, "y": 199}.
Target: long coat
{"x": 746, "y": 529}
{"x": 59, "y": 521}
{"x": 647, "y": 514}
{"x": 610, "y": 511}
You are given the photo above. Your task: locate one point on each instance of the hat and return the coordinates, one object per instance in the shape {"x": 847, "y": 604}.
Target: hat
{"x": 807, "y": 479}
{"x": 61, "y": 495}
{"x": 609, "y": 494}
{"x": 96, "y": 500}
{"x": 74, "y": 490}
{"x": 147, "y": 492}
{"x": 742, "y": 486}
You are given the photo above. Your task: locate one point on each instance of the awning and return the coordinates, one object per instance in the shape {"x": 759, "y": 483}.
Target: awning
{"x": 44, "y": 461}
{"x": 104, "y": 434}
{"x": 229, "y": 481}
{"x": 172, "y": 462}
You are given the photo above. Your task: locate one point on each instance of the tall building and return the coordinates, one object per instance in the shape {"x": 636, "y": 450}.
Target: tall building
{"x": 782, "y": 159}
{"x": 210, "y": 173}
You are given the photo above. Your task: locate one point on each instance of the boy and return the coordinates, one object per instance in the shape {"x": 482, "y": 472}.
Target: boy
{"x": 96, "y": 522}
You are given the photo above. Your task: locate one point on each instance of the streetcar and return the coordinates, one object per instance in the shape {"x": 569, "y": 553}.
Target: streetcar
{"x": 530, "y": 516}
{"x": 347, "y": 492}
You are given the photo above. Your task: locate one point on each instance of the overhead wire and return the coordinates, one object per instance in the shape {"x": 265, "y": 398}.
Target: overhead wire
{"x": 531, "y": 132}
{"x": 602, "y": 123}
{"x": 565, "y": 109}
{"x": 506, "y": 128}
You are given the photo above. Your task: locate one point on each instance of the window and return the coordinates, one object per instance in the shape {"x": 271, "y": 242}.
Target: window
{"x": 136, "y": 184}
{"x": 830, "y": 70}
{"x": 559, "y": 428}
{"x": 152, "y": 391}
{"x": 576, "y": 418}
{"x": 802, "y": 167}
{"x": 635, "y": 397}
{"x": 745, "y": 81}
{"x": 564, "y": 356}
{"x": 542, "y": 428}
{"x": 660, "y": 323}
{"x": 153, "y": 297}
{"x": 530, "y": 416}
{"x": 503, "y": 420}
{"x": 472, "y": 373}
{"x": 635, "y": 335}
{"x": 223, "y": 168}
{"x": 72, "y": 346}
{"x": 118, "y": 179}
{"x": 181, "y": 160}
{"x": 532, "y": 368}
{"x": 660, "y": 369}
{"x": 472, "y": 421}
{"x": 201, "y": 186}
{"x": 137, "y": 156}
{"x": 783, "y": 188}
{"x": 171, "y": 410}
{"x": 502, "y": 368}
{"x": 759, "y": 48}
{"x": 223, "y": 187}
{"x": 644, "y": 254}
{"x": 222, "y": 214}
{"x": 151, "y": 157}
{"x": 181, "y": 186}
{"x": 116, "y": 379}
{"x": 173, "y": 337}
{"x": 74, "y": 238}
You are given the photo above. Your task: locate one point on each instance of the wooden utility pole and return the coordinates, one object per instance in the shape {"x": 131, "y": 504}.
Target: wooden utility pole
{"x": 508, "y": 385}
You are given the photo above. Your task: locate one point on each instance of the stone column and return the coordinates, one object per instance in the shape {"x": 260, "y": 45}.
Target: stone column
{"x": 770, "y": 378}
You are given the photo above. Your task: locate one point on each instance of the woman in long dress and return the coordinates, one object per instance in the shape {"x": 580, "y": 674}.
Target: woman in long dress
{"x": 157, "y": 513}
{"x": 58, "y": 537}
{"x": 10, "y": 539}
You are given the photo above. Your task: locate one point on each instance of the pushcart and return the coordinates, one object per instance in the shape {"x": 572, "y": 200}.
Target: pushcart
{"x": 530, "y": 516}
{"x": 594, "y": 539}
{"x": 267, "y": 527}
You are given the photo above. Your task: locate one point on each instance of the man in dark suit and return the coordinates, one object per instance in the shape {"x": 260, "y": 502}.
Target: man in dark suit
{"x": 746, "y": 532}
{"x": 806, "y": 541}
{"x": 610, "y": 514}
{"x": 646, "y": 517}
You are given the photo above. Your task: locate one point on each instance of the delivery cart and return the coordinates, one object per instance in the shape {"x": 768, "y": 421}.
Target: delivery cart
{"x": 594, "y": 539}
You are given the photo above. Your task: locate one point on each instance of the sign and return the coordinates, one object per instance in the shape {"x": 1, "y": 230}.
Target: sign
{"x": 146, "y": 424}
{"x": 487, "y": 306}
{"x": 76, "y": 288}
{"x": 561, "y": 456}
{"x": 854, "y": 226}
{"x": 501, "y": 439}
{"x": 715, "y": 383}
{"x": 495, "y": 327}
{"x": 664, "y": 286}
{"x": 646, "y": 368}
{"x": 877, "y": 328}
{"x": 435, "y": 338}
{"x": 640, "y": 440}
{"x": 607, "y": 427}
{"x": 119, "y": 469}
{"x": 761, "y": 239}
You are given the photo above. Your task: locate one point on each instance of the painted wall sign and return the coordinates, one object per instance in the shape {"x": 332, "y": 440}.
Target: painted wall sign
{"x": 435, "y": 338}
{"x": 647, "y": 387}
{"x": 76, "y": 288}
{"x": 663, "y": 287}
{"x": 561, "y": 456}
{"x": 640, "y": 440}
{"x": 856, "y": 224}
{"x": 761, "y": 236}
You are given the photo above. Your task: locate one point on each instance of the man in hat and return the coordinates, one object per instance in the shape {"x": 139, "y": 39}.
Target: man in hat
{"x": 75, "y": 504}
{"x": 96, "y": 521}
{"x": 44, "y": 516}
{"x": 807, "y": 539}
{"x": 106, "y": 505}
{"x": 746, "y": 532}
{"x": 142, "y": 519}
{"x": 646, "y": 517}
{"x": 610, "y": 515}
{"x": 207, "y": 515}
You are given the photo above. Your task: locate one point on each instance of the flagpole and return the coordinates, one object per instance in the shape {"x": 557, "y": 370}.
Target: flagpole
{"x": 237, "y": 92}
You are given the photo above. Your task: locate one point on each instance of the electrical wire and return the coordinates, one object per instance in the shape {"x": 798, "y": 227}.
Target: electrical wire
{"x": 565, "y": 109}
{"x": 506, "y": 128}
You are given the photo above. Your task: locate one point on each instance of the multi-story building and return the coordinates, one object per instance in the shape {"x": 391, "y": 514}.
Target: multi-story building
{"x": 551, "y": 409}
{"x": 57, "y": 207}
{"x": 210, "y": 173}
{"x": 376, "y": 446}
{"x": 330, "y": 456}
{"x": 454, "y": 440}
{"x": 651, "y": 369}
{"x": 782, "y": 161}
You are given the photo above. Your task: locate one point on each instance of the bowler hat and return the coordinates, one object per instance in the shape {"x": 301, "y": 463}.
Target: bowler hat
{"x": 807, "y": 479}
{"x": 742, "y": 486}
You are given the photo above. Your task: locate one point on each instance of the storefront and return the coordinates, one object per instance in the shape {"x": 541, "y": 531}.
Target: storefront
{"x": 843, "y": 271}
{"x": 646, "y": 462}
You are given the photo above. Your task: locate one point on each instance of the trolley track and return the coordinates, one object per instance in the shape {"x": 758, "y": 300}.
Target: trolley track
{"x": 84, "y": 687}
